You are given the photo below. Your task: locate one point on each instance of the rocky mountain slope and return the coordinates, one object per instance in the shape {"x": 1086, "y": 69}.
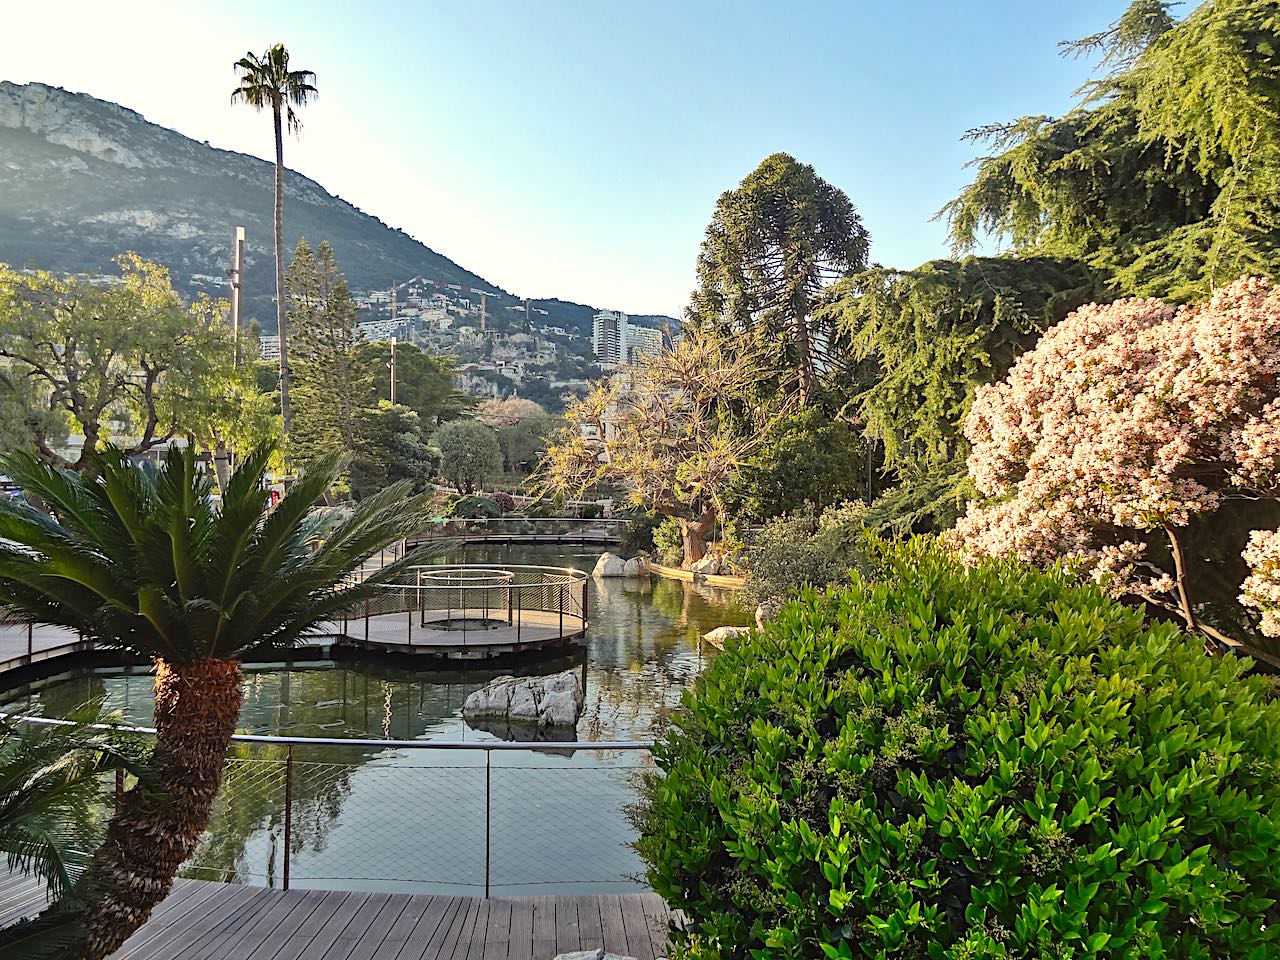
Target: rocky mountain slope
{"x": 82, "y": 179}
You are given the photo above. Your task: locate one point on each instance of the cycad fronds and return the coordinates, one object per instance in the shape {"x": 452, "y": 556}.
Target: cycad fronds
{"x": 139, "y": 558}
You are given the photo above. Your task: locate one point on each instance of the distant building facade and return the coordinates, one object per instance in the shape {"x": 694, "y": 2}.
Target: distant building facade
{"x": 616, "y": 340}
{"x": 269, "y": 348}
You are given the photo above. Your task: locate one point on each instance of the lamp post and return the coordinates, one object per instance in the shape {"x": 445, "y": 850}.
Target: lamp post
{"x": 393, "y": 369}
{"x": 237, "y": 285}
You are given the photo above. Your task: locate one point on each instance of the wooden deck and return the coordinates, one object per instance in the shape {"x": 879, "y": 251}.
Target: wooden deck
{"x": 202, "y": 920}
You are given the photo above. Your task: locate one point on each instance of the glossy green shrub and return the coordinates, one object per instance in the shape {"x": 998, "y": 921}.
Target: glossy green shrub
{"x": 475, "y": 507}
{"x": 668, "y": 540}
{"x": 969, "y": 763}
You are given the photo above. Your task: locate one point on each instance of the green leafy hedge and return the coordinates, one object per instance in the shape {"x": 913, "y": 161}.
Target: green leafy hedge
{"x": 969, "y": 763}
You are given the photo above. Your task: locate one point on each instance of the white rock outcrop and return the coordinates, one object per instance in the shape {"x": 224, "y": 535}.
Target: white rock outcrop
{"x": 709, "y": 566}
{"x": 554, "y": 701}
{"x": 719, "y": 635}
{"x": 612, "y": 565}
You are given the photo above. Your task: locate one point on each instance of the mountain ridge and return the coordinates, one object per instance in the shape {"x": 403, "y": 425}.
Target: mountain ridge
{"x": 83, "y": 179}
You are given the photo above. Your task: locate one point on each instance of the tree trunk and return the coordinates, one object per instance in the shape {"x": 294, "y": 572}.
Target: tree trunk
{"x": 286, "y": 412}
{"x": 157, "y": 827}
{"x": 804, "y": 357}
{"x": 695, "y": 533}
{"x": 222, "y": 465}
{"x": 1180, "y": 579}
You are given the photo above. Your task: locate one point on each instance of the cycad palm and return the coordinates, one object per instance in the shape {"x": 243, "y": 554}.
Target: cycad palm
{"x": 139, "y": 559}
{"x": 267, "y": 83}
{"x": 51, "y": 784}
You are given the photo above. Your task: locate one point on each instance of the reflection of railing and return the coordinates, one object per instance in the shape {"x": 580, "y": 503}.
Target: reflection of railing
{"x": 497, "y": 817}
{"x": 458, "y": 606}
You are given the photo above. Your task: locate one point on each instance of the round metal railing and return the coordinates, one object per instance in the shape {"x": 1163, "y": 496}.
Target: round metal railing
{"x": 508, "y": 605}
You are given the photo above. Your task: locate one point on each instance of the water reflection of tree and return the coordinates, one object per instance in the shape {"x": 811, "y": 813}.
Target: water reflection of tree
{"x": 642, "y": 662}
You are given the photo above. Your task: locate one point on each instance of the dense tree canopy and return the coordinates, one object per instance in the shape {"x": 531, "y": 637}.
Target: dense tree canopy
{"x": 127, "y": 362}
{"x": 773, "y": 245}
{"x": 672, "y": 435}
{"x": 1124, "y": 424}
{"x": 469, "y": 454}
{"x": 425, "y": 383}
{"x": 1167, "y": 175}
{"x": 920, "y": 342}
{"x": 331, "y": 386}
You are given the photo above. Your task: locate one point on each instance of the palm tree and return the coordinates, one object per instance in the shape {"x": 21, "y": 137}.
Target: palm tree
{"x": 266, "y": 82}
{"x": 51, "y": 787}
{"x": 138, "y": 558}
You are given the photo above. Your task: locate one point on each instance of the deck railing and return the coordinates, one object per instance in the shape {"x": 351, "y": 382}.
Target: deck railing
{"x": 460, "y": 604}
{"x": 500, "y": 817}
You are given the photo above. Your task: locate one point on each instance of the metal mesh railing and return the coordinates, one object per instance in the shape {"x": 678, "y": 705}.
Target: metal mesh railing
{"x": 426, "y": 820}
{"x": 420, "y": 816}
{"x": 459, "y": 604}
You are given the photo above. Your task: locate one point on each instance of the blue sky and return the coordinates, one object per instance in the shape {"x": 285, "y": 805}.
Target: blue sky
{"x": 576, "y": 149}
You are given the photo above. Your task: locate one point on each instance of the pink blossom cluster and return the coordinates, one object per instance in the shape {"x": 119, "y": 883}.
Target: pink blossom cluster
{"x": 1133, "y": 416}
{"x": 1261, "y": 589}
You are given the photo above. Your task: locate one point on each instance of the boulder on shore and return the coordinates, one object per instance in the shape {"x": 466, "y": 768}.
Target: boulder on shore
{"x": 712, "y": 565}
{"x": 612, "y": 565}
{"x": 553, "y": 701}
{"x": 719, "y": 635}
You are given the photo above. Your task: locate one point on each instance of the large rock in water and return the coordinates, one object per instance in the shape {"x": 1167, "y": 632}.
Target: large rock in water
{"x": 611, "y": 565}
{"x": 719, "y": 635}
{"x": 554, "y": 701}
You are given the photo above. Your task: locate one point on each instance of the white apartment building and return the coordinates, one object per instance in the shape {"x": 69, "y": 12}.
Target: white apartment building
{"x": 374, "y": 330}
{"x": 642, "y": 341}
{"x": 608, "y": 335}
{"x": 269, "y": 348}
{"x": 617, "y": 340}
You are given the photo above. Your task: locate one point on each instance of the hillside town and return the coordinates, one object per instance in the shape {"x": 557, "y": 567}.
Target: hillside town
{"x": 511, "y": 351}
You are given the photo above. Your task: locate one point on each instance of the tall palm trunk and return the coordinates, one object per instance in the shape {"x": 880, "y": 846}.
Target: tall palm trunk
{"x": 285, "y": 411}
{"x": 156, "y": 830}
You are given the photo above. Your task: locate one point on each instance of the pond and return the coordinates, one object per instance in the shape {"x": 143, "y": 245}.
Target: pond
{"x": 417, "y": 820}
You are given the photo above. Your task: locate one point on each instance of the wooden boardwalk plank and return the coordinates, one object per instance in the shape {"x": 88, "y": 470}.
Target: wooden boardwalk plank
{"x": 590, "y": 928}
{"x": 639, "y": 940}
{"x": 335, "y": 926}
{"x": 544, "y": 927}
{"x": 180, "y": 911}
{"x": 615, "y": 932}
{"x": 498, "y": 930}
{"x": 234, "y": 917}
{"x": 422, "y": 945}
{"x": 208, "y": 920}
{"x": 289, "y": 926}
{"x": 520, "y": 935}
{"x": 365, "y": 947}
{"x": 567, "y": 925}
{"x": 311, "y": 927}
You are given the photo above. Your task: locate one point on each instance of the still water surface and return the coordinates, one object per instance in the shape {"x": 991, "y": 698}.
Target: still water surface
{"x": 415, "y": 820}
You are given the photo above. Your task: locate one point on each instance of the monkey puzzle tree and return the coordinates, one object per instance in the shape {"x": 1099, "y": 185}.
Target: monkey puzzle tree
{"x": 773, "y": 245}
{"x": 140, "y": 559}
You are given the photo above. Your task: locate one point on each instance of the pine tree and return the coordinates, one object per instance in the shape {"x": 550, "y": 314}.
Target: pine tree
{"x": 331, "y": 386}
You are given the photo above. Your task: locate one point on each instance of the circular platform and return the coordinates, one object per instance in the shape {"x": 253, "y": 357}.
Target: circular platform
{"x": 473, "y": 612}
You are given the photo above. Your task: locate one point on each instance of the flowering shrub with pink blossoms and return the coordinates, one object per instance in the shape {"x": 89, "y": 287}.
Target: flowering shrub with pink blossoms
{"x": 1124, "y": 423}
